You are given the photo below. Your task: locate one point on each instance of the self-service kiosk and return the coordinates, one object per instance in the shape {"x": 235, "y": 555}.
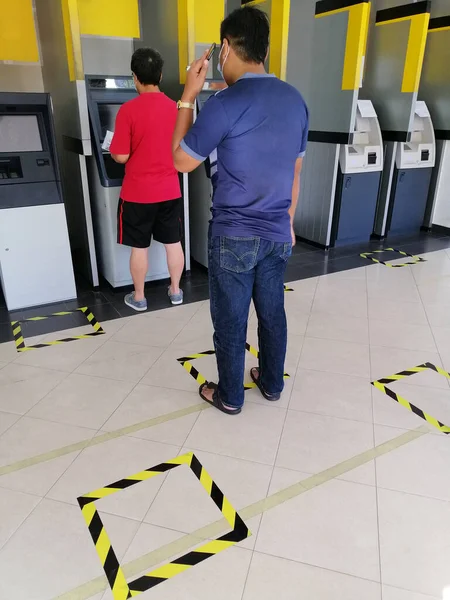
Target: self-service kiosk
{"x": 358, "y": 180}
{"x": 201, "y": 193}
{"x": 414, "y": 162}
{"x": 35, "y": 258}
{"x": 105, "y": 97}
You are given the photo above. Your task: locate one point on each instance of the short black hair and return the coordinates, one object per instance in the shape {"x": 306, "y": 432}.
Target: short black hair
{"x": 147, "y": 64}
{"x": 247, "y": 29}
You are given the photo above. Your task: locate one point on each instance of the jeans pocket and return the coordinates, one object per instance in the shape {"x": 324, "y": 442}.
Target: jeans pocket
{"x": 286, "y": 251}
{"x": 238, "y": 255}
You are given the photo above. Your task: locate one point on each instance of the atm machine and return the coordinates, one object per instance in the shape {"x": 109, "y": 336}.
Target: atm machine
{"x": 358, "y": 180}
{"x": 201, "y": 190}
{"x": 35, "y": 258}
{"x": 414, "y": 162}
{"x": 105, "y": 97}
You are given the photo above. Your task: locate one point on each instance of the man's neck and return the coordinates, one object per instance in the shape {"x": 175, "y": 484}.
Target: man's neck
{"x": 149, "y": 89}
{"x": 257, "y": 69}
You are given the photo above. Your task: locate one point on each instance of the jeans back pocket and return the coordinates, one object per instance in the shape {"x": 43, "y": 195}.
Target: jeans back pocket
{"x": 239, "y": 254}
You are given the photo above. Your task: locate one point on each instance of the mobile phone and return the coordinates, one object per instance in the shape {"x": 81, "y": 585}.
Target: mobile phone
{"x": 210, "y": 54}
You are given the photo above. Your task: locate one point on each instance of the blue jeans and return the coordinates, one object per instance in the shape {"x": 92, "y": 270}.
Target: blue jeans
{"x": 241, "y": 269}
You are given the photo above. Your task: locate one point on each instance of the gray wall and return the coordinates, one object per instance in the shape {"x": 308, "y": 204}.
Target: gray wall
{"x": 21, "y": 78}
{"x": 159, "y": 29}
{"x": 106, "y": 56}
{"x": 300, "y": 50}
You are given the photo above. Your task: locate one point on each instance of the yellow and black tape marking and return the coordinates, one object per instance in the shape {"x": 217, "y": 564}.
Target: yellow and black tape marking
{"x": 381, "y": 385}
{"x": 186, "y": 362}
{"x": 288, "y": 289}
{"x": 369, "y": 256}
{"x": 20, "y": 340}
{"x": 122, "y": 590}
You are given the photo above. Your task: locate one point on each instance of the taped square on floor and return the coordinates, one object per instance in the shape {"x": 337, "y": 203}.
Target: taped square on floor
{"x": 380, "y": 384}
{"x": 20, "y": 340}
{"x": 186, "y": 362}
{"x": 122, "y": 590}
{"x": 415, "y": 261}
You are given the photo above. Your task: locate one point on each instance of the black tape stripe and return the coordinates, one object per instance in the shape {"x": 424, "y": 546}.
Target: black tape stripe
{"x": 196, "y": 467}
{"x": 194, "y": 372}
{"x": 406, "y": 10}
{"x": 163, "y": 467}
{"x": 96, "y": 527}
{"x": 239, "y": 533}
{"x": 439, "y": 22}
{"x": 83, "y": 500}
{"x": 192, "y": 558}
{"x": 123, "y": 484}
{"x": 324, "y": 6}
{"x": 391, "y": 394}
{"x": 111, "y": 567}
{"x": 217, "y": 496}
{"x": 145, "y": 583}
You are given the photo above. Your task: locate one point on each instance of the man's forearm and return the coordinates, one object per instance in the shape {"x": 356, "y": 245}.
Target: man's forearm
{"x": 295, "y": 195}
{"x": 185, "y": 120}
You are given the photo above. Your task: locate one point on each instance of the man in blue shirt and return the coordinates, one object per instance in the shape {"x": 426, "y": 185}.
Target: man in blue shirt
{"x": 259, "y": 127}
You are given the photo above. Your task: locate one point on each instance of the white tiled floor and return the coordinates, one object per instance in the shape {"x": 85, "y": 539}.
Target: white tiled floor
{"x": 378, "y": 532}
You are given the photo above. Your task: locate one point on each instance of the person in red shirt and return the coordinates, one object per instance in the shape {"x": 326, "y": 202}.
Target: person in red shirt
{"x": 150, "y": 203}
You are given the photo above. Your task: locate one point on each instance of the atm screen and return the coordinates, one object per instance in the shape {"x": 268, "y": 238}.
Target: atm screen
{"x": 20, "y": 133}
{"x": 107, "y": 114}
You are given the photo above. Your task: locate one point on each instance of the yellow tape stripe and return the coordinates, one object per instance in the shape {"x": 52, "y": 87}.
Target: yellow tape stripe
{"x": 415, "y": 51}
{"x": 356, "y": 42}
{"x": 439, "y": 29}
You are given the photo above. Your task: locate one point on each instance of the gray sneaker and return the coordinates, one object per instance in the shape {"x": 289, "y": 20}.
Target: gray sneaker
{"x": 175, "y": 298}
{"x": 139, "y": 306}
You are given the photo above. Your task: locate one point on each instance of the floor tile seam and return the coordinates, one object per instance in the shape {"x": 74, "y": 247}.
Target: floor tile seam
{"x": 328, "y": 416}
{"x": 95, "y": 441}
{"x": 409, "y": 493}
{"x": 431, "y": 329}
{"x": 153, "y": 558}
{"x": 318, "y": 567}
{"x": 3, "y": 546}
{"x": 426, "y": 596}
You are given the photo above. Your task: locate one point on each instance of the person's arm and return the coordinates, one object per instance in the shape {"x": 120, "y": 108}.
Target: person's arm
{"x": 192, "y": 144}
{"x": 121, "y": 143}
{"x": 296, "y": 182}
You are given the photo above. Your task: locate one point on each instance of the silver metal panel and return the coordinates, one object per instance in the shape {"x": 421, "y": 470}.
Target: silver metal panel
{"x": 441, "y": 200}
{"x": 200, "y": 192}
{"x": 332, "y": 109}
{"x": 69, "y": 115}
{"x": 300, "y": 49}
{"x": 21, "y": 78}
{"x": 384, "y": 66}
{"x": 435, "y": 81}
{"x": 390, "y": 151}
{"x": 106, "y": 56}
{"x": 113, "y": 258}
{"x": 314, "y": 214}
{"x": 159, "y": 30}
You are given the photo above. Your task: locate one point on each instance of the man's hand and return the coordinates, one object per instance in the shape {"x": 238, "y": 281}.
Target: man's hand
{"x": 195, "y": 79}
{"x": 294, "y": 239}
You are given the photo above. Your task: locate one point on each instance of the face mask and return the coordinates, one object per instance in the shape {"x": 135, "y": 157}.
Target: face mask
{"x": 219, "y": 66}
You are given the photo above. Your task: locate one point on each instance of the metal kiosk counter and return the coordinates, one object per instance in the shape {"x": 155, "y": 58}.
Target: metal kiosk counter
{"x": 35, "y": 258}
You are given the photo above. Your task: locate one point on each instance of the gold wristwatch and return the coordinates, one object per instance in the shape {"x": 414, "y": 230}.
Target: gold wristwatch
{"x": 185, "y": 105}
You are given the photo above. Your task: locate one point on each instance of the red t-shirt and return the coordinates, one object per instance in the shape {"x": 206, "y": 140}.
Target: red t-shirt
{"x": 144, "y": 130}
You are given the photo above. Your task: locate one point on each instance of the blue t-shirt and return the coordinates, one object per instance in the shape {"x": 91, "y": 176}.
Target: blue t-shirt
{"x": 259, "y": 127}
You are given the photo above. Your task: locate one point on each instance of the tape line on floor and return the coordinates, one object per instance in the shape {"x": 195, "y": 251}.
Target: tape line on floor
{"x": 20, "y": 340}
{"x": 381, "y": 385}
{"x": 369, "y": 256}
{"x": 100, "y": 439}
{"x": 122, "y": 590}
{"x": 186, "y": 363}
{"x": 142, "y": 564}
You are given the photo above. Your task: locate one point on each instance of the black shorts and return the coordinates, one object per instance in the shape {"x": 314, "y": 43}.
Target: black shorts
{"x": 137, "y": 223}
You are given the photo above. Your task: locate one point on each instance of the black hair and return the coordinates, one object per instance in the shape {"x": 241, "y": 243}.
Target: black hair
{"x": 247, "y": 29}
{"x": 147, "y": 64}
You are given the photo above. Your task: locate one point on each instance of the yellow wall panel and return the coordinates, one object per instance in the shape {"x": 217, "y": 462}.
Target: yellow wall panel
{"x": 110, "y": 18}
{"x": 209, "y": 14}
{"x": 68, "y": 36}
{"x": 186, "y": 35}
{"x": 279, "y": 38}
{"x": 18, "y": 41}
